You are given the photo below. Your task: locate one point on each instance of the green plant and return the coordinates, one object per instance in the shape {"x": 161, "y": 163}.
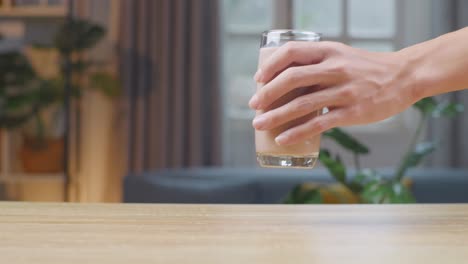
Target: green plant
{"x": 72, "y": 41}
{"x": 367, "y": 184}
{"x": 24, "y": 93}
{"x": 20, "y": 90}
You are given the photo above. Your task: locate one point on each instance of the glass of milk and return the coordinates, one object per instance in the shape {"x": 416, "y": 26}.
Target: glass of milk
{"x": 269, "y": 153}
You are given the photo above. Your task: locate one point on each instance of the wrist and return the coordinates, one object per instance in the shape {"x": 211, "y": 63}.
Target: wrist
{"x": 414, "y": 75}
{"x": 425, "y": 69}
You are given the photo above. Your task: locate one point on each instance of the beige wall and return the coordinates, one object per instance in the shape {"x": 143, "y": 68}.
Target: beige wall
{"x": 102, "y": 157}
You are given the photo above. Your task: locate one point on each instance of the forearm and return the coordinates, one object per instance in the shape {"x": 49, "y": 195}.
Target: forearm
{"x": 439, "y": 65}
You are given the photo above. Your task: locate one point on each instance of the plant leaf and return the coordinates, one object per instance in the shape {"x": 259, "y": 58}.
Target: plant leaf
{"x": 362, "y": 178}
{"x": 346, "y": 141}
{"x": 384, "y": 191}
{"x": 301, "y": 195}
{"x": 16, "y": 102}
{"x": 15, "y": 70}
{"x": 78, "y": 35}
{"x": 401, "y": 194}
{"x": 374, "y": 192}
{"x": 106, "y": 83}
{"x": 420, "y": 152}
{"x": 291, "y": 197}
{"x": 18, "y": 86}
{"x": 312, "y": 197}
{"x": 334, "y": 166}
{"x": 430, "y": 106}
{"x": 43, "y": 46}
{"x": 426, "y": 105}
{"x": 50, "y": 91}
{"x": 80, "y": 66}
{"x": 447, "y": 110}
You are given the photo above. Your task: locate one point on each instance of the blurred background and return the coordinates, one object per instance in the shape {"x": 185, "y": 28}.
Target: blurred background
{"x": 146, "y": 101}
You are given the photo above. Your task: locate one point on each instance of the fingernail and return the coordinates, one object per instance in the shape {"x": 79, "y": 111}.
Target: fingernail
{"x": 253, "y": 103}
{"x": 258, "y": 76}
{"x": 259, "y": 122}
{"x": 282, "y": 139}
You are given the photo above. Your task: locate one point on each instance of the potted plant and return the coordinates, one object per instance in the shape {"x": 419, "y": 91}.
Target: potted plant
{"x": 367, "y": 186}
{"x": 22, "y": 94}
{"x": 42, "y": 125}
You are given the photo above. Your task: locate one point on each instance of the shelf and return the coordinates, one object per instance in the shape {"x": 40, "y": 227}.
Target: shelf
{"x": 23, "y": 177}
{"x": 45, "y": 12}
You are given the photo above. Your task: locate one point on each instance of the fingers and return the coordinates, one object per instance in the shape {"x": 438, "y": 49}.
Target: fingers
{"x": 288, "y": 80}
{"x": 294, "y": 52}
{"x": 313, "y": 127}
{"x": 299, "y": 107}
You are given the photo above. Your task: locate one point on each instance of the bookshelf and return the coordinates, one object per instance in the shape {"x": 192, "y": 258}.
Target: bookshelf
{"x": 10, "y": 171}
{"x": 15, "y": 183}
{"x": 19, "y": 185}
{"x": 33, "y": 8}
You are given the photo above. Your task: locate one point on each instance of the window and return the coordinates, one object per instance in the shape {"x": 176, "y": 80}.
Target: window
{"x": 367, "y": 24}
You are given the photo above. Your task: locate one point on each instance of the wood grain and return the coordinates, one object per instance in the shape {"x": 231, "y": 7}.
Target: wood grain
{"x": 123, "y": 233}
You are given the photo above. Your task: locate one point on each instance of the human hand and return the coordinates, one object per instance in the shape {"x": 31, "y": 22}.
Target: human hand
{"x": 357, "y": 86}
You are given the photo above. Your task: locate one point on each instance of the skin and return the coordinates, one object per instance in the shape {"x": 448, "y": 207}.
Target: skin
{"x": 358, "y": 86}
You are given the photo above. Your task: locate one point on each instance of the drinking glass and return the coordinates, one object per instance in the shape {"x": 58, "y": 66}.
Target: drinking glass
{"x": 269, "y": 154}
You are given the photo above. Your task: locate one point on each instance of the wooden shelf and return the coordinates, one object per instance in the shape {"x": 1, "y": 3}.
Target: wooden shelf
{"x": 46, "y": 12}
{"x": 9, "y": 175}
{"x": 23, "y": 177}
{"x": 40, "y": 10}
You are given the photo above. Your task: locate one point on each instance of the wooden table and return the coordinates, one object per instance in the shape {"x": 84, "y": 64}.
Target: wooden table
{"x": 139, "y": 234}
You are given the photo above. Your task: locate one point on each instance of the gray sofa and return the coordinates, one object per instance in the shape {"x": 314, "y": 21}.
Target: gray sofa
{"x": 268, "y": 186}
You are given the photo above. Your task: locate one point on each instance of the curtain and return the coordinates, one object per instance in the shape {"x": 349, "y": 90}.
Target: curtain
{"x": 170, "y": 70}
{"x": 451, "y": 134}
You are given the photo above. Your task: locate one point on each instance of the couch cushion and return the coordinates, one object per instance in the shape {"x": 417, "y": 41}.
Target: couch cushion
{"x": 185, "y": 189}
{"x": 257, "y": 185}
